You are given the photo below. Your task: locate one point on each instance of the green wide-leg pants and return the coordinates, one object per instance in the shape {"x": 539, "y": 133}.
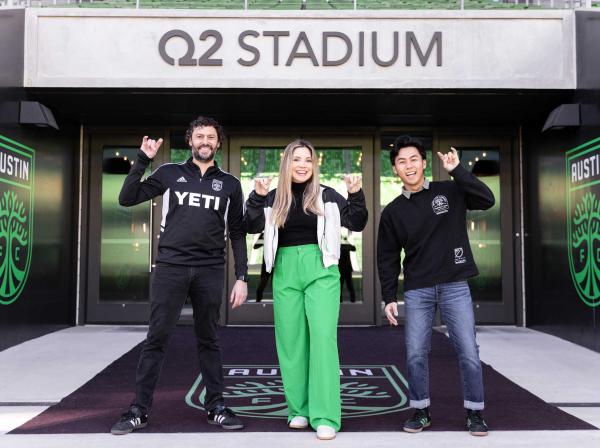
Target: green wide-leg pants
{"x": 306, "y": 303}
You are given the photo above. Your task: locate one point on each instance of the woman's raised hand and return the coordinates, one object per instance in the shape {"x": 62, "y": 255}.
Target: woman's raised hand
{"x": 261, "y": 185}
{"x": 353, "y": 183}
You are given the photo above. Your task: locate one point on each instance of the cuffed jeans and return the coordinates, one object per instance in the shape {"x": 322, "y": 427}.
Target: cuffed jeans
{"x": 170, "y": 287}
{"x": 454, "y": 300}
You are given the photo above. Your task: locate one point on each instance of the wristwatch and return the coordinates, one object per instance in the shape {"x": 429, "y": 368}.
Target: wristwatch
{"x": 243, "y": 277}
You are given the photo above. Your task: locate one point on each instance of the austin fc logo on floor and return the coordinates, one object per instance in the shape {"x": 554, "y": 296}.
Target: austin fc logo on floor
{"x": 257, "y": 391}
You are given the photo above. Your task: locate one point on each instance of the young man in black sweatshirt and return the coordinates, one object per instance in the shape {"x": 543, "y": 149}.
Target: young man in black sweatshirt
{"x": 428, "y": 222}
{"x": 201, "y": 205}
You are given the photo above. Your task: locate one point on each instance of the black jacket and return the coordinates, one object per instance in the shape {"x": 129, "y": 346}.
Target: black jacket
{"x": 431, "y": 228}
{"x": 197, "y": 214}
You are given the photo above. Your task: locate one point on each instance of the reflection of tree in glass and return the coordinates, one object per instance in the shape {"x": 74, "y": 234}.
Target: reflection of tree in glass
{"x": 334, "y": 162}
{"x": 12, "y": 230}
{"x": 260, "y": 162}
{"x": 587, "y": 226}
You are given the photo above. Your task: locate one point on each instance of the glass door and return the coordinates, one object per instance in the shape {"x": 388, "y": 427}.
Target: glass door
{"x": 390, "y": 186}
{"x": 251, "y": 157}
{"x": 177, "y": 150}
{"x": 123, "y": 241}
{"x": 490, "y": 231}
{"x": 120, "y": 239}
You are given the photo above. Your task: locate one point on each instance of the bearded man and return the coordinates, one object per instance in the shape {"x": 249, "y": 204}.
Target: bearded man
{"x": 201, "y": 205}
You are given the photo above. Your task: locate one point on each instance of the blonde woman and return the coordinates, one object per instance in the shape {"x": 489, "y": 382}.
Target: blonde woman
{"x": 302, "y": 220}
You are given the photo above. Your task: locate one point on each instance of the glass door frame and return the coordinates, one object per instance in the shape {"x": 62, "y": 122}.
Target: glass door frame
{"x": 95, "y": 139}
{"x": 493, "y": 313}
{"x": 102, "y": 311}
{"x": 350, "y": 313}
{"x": 503, "y": 312}
{"x": 187, "y": 316}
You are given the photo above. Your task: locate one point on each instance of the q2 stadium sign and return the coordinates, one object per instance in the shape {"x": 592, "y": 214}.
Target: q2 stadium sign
{"x": 299, "y": 49}
{"x": 303, "y": 49}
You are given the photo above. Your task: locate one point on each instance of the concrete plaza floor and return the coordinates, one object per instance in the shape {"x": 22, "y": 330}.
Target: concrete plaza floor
{"x": 40, "y": 372}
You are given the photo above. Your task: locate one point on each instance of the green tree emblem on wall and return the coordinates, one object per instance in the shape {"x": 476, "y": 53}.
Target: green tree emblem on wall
{"x": 586, "y": 232}
{"x": 14, "y": 237}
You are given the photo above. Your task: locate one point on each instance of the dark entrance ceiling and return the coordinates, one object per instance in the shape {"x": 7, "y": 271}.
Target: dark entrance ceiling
{"x": 264, "y": 108}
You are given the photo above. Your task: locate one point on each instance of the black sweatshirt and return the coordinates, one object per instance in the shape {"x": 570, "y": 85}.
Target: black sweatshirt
{"x": 299, "y": 228}
{"x": 431, "y": 229}
{"x": 197, "y": 211}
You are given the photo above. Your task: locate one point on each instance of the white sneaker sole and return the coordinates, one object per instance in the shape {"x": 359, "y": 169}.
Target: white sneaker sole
{"x": 325, "y": 437}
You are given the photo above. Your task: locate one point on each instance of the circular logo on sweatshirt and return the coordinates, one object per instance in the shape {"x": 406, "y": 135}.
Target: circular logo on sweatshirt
{"x": 440, "y": 204}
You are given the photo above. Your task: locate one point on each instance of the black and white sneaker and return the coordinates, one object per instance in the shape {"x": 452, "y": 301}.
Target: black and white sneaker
{"x": 131, "y": 420}
{"x": 225, "y": 417}
{"x": 419, "y": 421}
{"x": 475, "y": 423}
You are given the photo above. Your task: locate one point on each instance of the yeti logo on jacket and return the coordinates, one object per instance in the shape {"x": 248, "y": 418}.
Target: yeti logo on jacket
{"x": 194, "y": 199}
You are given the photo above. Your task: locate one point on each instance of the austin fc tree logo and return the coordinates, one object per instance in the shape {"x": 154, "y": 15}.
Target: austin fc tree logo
{"x": 583, "y": 220}
{"x": 17, "y": 166}
{"x": 14, "y": 239}
{"x": 585, "y": 245}
{"x": 257, "y": 391}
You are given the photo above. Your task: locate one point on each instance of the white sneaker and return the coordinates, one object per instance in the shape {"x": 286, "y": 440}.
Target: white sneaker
{"x": 298, "y": 422}
{"x": 325, "y": 432}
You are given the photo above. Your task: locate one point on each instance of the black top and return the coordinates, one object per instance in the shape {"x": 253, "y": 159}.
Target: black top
{"x": 198, "y": 212}
{"x": 431, "y": 228}
{"x": 299, "y": 228}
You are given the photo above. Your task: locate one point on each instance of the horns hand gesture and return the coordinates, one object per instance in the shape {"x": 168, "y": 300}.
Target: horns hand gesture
{"x": 150, "y": 147}
{"x": 450, "y": 160}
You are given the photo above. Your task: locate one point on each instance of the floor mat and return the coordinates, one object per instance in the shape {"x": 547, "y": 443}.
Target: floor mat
{"x": 373, "y": 388}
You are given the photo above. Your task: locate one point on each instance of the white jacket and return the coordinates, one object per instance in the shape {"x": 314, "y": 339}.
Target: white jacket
{"x": 351, "y": 213}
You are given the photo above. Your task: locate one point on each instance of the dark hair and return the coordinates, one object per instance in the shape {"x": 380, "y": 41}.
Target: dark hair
{"x": 201, "y": 122}
{"x": 404, "y": 141}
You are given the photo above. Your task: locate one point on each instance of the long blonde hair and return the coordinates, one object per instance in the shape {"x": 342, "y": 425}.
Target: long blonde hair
{"x": 284, "y": 196}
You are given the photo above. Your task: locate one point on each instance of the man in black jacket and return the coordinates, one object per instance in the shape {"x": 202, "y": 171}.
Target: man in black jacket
{"x": 201, "y": 205}
{"x": 428, "y": 222}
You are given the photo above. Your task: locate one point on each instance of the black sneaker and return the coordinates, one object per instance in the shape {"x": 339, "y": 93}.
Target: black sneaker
{"x": 225, "y": 417}
{"x": 418, "y": 421}
{"x": 133, "y": 419}
{"x": 475, "y": 423}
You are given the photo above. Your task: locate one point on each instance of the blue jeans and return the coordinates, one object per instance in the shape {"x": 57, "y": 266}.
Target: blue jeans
{"x": 454, "y": 300}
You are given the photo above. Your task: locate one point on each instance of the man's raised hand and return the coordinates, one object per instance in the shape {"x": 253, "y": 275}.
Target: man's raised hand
{"x": 450, "y": 160}
{"x": 150, "y": 147}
